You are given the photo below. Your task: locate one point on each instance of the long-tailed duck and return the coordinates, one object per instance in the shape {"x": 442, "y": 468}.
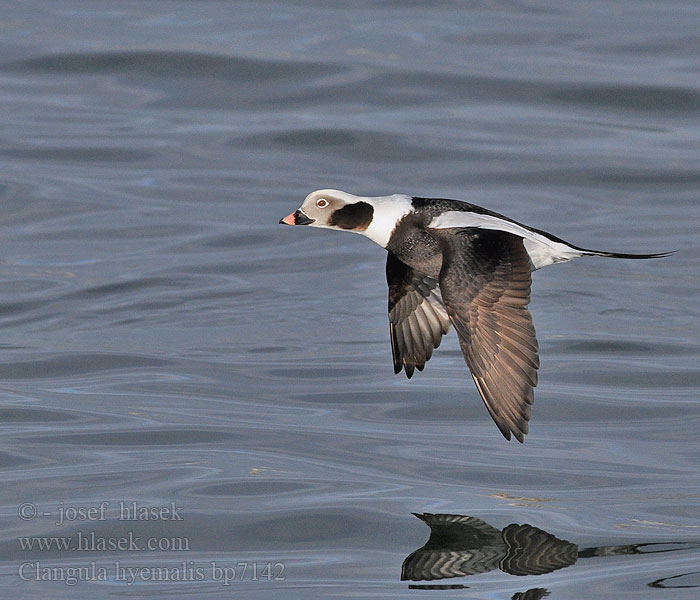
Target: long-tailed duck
{"x": 451, "y": 262}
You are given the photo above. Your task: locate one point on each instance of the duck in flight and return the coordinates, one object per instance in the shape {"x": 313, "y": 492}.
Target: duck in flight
{"x": 454, "y": 263}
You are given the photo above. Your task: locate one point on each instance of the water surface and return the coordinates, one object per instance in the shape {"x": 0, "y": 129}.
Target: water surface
{"x": 166, "y": 342}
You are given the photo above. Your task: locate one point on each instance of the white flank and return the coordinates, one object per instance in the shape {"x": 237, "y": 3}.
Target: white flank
{"x": 388, "y": 210}
{"x": 541, "y": 250}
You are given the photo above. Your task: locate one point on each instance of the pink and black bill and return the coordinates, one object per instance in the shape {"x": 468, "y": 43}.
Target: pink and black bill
{"x": 296, "y": 218}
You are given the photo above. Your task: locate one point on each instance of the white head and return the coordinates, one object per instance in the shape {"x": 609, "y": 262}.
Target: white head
{"x": 374, "y": 217}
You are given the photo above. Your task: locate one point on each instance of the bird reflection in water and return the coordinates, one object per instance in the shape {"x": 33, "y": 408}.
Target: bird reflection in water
{"x": 460, "y": 545}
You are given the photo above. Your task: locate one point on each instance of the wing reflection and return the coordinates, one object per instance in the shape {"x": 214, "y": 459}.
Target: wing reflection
{"x": 460, "y": 545}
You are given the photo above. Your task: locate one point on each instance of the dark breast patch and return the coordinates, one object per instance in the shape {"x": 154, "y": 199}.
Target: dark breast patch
{"x": 355, "y": 216}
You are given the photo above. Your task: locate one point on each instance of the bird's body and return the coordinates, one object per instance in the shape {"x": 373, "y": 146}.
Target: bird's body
{"x": 454, "y": 263}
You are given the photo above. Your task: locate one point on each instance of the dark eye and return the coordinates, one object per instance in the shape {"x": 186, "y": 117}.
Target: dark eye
{"x": 322, "y": 203}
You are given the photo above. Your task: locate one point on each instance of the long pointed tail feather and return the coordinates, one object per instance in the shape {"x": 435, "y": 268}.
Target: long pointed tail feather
{"x": 623, "y": 255}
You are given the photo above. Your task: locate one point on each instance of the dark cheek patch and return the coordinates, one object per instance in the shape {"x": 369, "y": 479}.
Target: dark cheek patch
{"x": 355, "y": 216}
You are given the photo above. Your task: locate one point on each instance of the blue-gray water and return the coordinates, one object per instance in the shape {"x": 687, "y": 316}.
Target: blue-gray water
{"x": 166, "y": 342}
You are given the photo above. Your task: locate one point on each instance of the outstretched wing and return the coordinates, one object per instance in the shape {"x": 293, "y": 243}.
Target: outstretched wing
{"x": 485, "y": 282}
{"x": 417, "y": 316}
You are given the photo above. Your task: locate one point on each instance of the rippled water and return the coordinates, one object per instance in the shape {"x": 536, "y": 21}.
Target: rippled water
{"x": 166, "y": 342}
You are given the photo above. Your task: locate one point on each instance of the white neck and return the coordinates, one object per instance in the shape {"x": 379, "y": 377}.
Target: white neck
{"x": 388, "y": 210}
